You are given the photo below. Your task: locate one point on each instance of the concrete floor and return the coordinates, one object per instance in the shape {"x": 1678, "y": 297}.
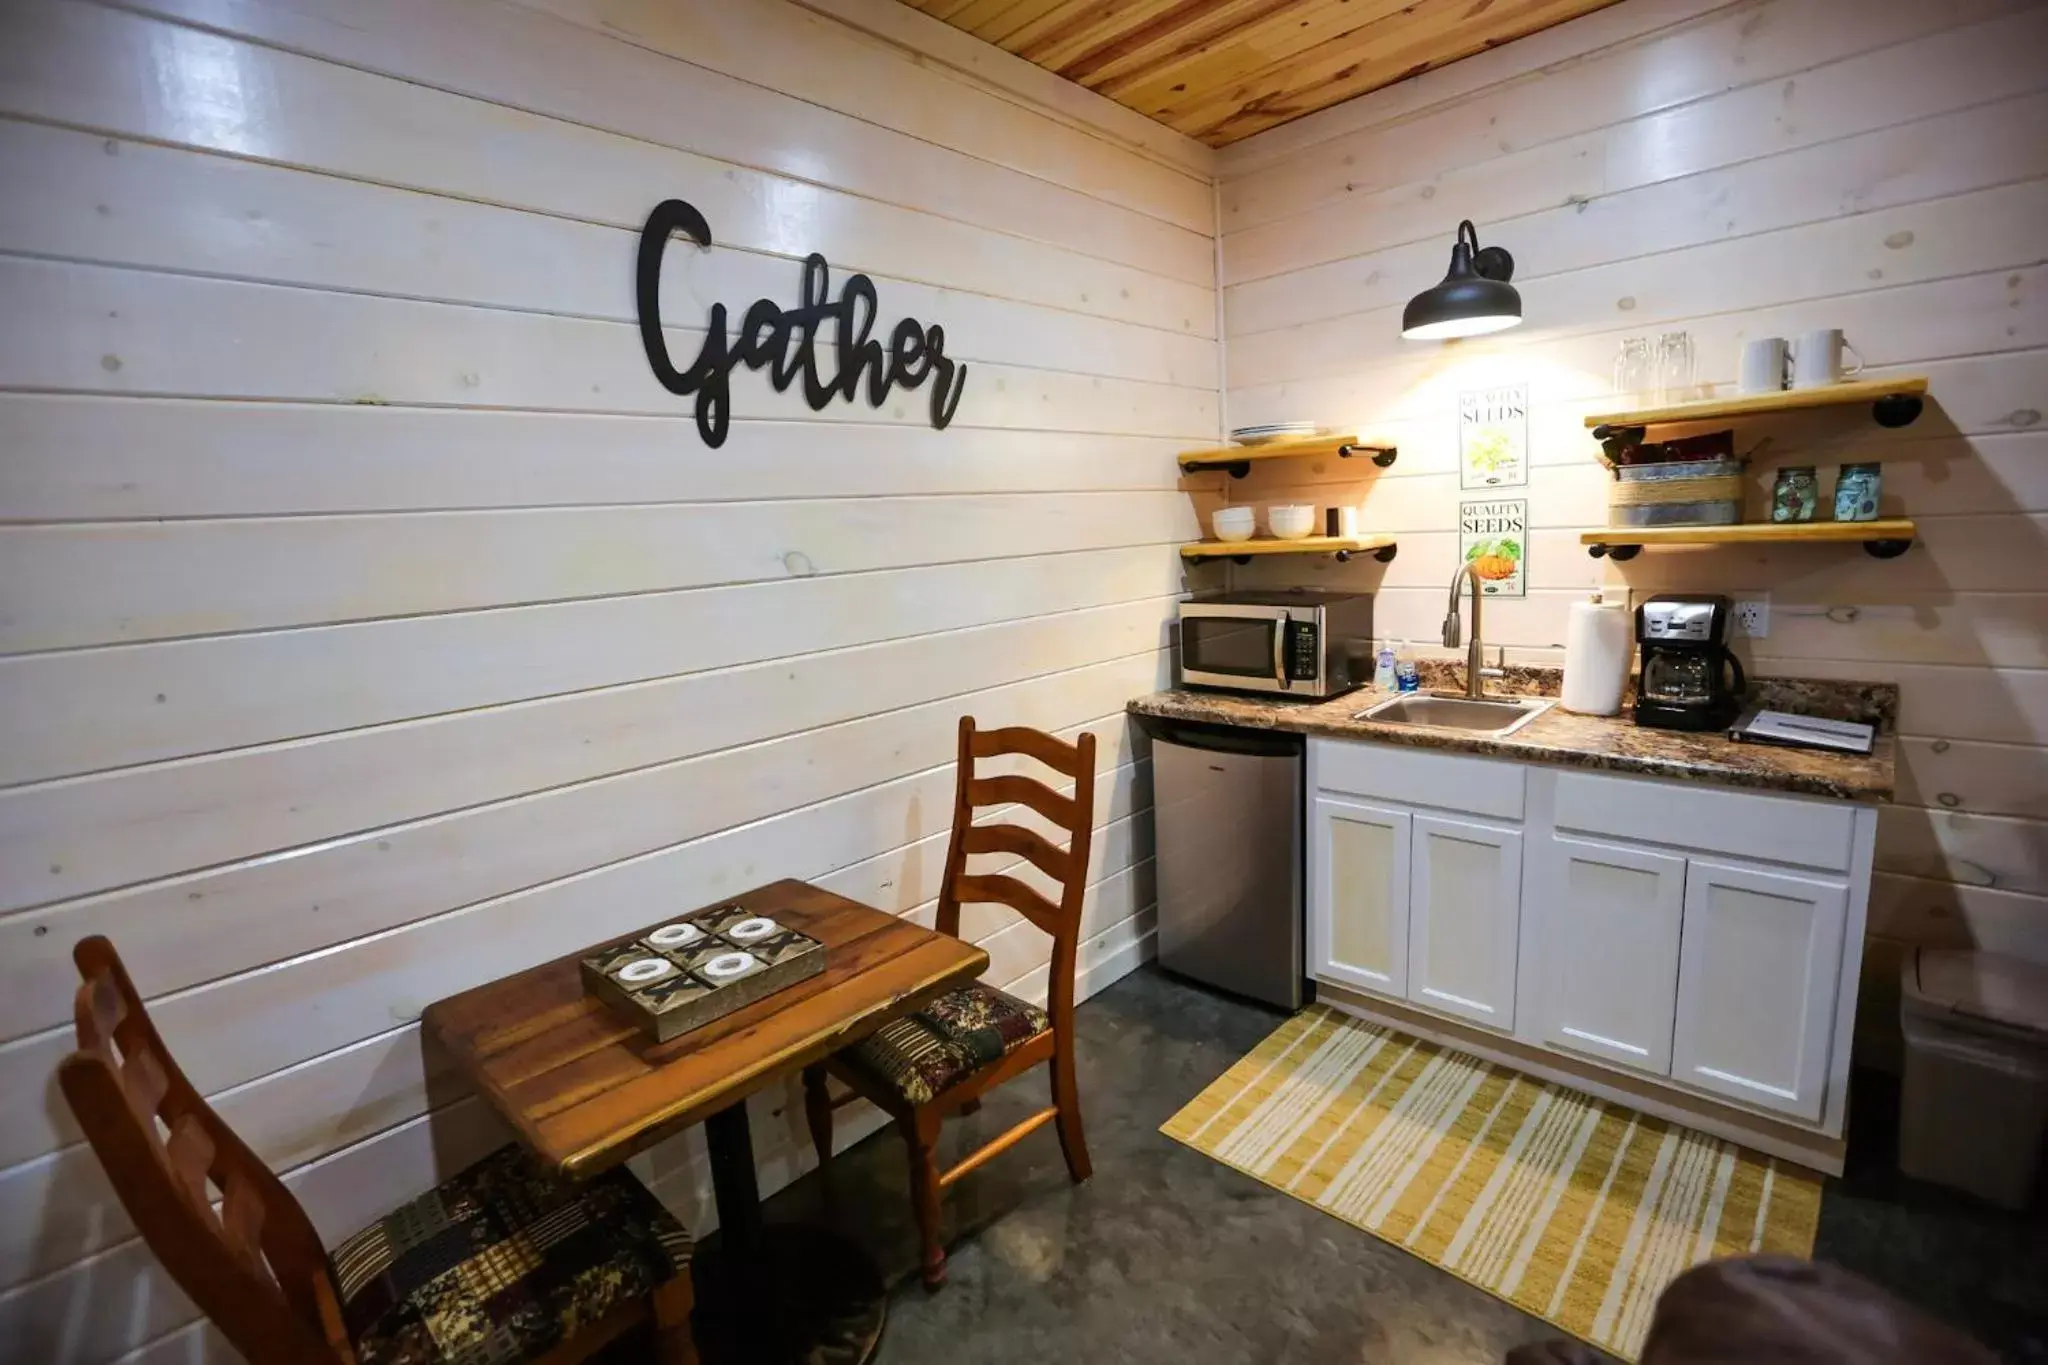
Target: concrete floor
{"x": 1168, "y": 1256}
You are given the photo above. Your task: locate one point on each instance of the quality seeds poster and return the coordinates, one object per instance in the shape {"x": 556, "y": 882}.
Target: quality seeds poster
{"x": 1493, "y": 437}
{"x": 1493, "y": 537}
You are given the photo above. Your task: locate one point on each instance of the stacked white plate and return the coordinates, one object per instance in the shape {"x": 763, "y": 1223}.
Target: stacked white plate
{"x": 1273, "y": 431}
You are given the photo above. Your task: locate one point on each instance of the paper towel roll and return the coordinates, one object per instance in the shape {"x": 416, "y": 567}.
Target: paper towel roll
{"x": 1598, "y": 643}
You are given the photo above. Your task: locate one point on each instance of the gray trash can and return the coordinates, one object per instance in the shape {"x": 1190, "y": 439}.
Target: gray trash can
{"x": 1975, "y": 1101}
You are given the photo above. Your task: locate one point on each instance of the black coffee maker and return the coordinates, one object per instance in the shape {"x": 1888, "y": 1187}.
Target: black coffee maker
{"x": 1689, "y": 679}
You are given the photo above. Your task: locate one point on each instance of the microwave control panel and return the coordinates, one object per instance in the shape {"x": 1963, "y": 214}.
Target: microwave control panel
{"x": 1303, "y": 658}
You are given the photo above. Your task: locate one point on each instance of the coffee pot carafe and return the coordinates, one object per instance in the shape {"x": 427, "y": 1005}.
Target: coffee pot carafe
{"x": 1689, "y": 679}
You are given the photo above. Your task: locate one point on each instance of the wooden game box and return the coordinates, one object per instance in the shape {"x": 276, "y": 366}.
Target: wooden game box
{"x": 683, "y": 973}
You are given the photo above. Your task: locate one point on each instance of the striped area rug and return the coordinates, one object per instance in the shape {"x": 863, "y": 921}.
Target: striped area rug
{"x": 1570, "y": 1208}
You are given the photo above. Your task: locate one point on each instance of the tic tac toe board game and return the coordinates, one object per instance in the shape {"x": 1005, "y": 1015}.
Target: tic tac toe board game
{"x": 682, "y": 974}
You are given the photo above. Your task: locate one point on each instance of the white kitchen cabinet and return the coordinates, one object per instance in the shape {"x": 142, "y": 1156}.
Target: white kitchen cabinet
{"x": 1684, "y": 948}
{"x": 1464, "y": 916}
{"x": 1759, "y": 963}
{"x": 1358, "y": 930}
{"x": 1602, "y": 927}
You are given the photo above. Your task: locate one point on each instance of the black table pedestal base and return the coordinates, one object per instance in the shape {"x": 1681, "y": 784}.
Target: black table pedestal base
{"x": 782, "y": 1293}
{"x": 804, "y": 1297}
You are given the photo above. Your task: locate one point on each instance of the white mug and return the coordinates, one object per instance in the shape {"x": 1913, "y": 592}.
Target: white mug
{"x": 1763, "y": 366}
{"x": 1817, "y": 359}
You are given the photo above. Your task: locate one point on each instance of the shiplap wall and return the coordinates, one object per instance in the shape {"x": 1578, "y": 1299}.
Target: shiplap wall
{"x": 374, "y": 624}
{"x": 1736, "y": 170}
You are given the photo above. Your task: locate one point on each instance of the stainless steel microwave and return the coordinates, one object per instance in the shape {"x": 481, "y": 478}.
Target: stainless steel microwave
{"x": 1291, "y": 641}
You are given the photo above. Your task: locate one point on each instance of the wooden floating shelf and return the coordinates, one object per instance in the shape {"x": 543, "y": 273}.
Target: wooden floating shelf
{"x": 1886, "y": 538}
{"x": 1894, "y": 403}
{"x": 1381, "y": 548}
{"x": 1240, "y": 459}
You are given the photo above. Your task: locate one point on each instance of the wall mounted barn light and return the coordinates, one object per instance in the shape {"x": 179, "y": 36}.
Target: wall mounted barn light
{"x": 1474, "y": 298}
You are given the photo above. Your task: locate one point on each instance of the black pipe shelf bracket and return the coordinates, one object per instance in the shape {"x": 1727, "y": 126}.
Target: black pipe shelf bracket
{"x": 1621, "y": 554}
{"x": 1383, "y": 456}
{"x": 1884, "y": 538}
{"x": 1237, "y": 461}
{"x": 1237, "y": 469}
{"x": 1342, "y": 550}
{"x": 1893, "y": 401}
{"x": 1384, "y": 554}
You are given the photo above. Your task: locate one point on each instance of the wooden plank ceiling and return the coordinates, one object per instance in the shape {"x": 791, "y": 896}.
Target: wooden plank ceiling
{"x": 1220, "y": 70}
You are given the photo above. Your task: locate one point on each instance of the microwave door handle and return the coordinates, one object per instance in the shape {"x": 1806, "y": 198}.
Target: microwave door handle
{"x": 1280, "y": 652}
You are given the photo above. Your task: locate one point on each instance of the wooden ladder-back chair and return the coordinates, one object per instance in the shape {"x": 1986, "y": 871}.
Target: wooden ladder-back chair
{"x": 609, "y": 1258}
{"x": 942, "y": 1059}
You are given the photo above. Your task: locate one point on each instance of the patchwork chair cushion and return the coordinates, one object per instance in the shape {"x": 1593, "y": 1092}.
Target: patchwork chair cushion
{"x": 925, "y": 1053}
{"x": 502, "y": 1263}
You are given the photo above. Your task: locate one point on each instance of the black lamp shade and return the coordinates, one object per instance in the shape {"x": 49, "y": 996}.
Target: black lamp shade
{"x": 1474, "y": 298}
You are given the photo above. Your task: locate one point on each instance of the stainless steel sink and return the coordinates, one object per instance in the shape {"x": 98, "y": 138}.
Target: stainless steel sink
{"x": 1493, "y": 717}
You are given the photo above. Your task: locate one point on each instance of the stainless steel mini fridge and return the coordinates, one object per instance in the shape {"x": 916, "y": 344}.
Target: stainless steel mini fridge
{"x": 1227, "y": 807}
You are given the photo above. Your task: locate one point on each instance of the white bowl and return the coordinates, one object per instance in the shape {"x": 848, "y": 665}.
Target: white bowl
{"x": 1233, "y": 523}
{"x": 1277, "y": 431}
{"x": 1291, "y": 521}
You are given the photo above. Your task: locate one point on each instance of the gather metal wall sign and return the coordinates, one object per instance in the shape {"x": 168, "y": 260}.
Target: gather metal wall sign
{"x": 785, "y": 341}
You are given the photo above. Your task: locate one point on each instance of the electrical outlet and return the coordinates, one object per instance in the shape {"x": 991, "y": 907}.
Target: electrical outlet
{"x": 1753, "y": 617}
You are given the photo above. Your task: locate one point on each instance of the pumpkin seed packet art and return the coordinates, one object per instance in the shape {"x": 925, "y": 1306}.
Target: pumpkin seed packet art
{"x": 1493, "y": 537}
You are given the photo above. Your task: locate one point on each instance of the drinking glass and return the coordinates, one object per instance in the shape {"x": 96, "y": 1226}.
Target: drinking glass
{"x": 1674, "y": 367}
{"x": 1632, "y": 368}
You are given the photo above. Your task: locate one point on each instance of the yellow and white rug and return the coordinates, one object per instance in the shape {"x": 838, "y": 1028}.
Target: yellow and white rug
{"x": 1571, "y": 1208}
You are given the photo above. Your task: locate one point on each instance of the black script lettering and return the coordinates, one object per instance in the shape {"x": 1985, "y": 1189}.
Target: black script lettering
{"x": 857, "y": 354}
{"x": 946, "y": 393}
{"x": 785, "y": 341}
{"x": 908, "y": 363}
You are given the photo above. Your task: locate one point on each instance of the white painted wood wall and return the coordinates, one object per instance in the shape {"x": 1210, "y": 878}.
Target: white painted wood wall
{"x": 371, "y": 624}
{"x": 374, "y": 624}
{"x": 1736, "y": 170}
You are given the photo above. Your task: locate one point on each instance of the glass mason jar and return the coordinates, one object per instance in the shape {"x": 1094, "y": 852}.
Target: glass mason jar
{"x": 1674, "y": 367}
{"x": 1796, "y": 494}
{"x": 1634, "y": 372}
{"x": 1856, "y": 492}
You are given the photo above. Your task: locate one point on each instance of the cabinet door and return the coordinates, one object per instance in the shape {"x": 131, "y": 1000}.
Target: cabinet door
{"x": 1358, "y": 908}
{"x": 1604, "y": 926}
{"x": 1758, "y": 962}
{"x": 1465, "y": 914}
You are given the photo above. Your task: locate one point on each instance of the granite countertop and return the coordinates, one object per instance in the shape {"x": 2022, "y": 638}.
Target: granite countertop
{"x": 1606, "y": 743}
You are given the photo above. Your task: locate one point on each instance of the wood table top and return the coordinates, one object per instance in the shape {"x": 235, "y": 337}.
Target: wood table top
{"x": 585, "y": 1089}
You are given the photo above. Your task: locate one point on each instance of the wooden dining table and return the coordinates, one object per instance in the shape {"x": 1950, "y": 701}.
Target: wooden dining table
{"x": 584, "y": 1089}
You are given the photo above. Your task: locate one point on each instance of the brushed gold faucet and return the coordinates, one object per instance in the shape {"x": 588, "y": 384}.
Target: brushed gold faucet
{"x": 1475, "y": 672}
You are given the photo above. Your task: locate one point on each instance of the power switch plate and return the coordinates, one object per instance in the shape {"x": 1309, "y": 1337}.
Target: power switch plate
{"x": 1753, "y": 617}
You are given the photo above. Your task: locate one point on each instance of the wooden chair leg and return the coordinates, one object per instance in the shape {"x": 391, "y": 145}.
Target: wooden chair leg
{"x": 921, "y": 1131}
{"x": 971, "y": 1107}
{"x": 672, "y": 1303}
{"x": 1068, "y": 1100}
{"x": 818, "y": 1113}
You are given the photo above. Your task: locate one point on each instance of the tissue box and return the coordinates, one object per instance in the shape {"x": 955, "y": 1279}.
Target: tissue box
{"x": 685, "y": 972}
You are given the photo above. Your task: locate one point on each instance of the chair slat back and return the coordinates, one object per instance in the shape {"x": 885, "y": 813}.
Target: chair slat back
{"x": 256, "y": 1267}
{"x": 996, "y": 889}
{"x": 1066, "y": 759}
{"x": 1028, "y": 844}
{"x": 1011, "y": 790}
{"x": 1072, "y": 815}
